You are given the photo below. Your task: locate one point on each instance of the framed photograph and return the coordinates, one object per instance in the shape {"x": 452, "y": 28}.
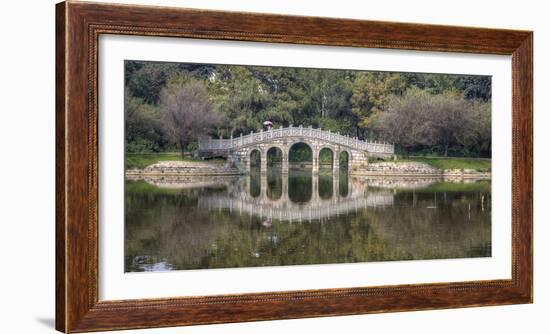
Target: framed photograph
{"x": 222, "y": 167}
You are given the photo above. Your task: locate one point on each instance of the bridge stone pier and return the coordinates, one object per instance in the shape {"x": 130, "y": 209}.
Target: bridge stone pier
{"x": 239, "y": 150}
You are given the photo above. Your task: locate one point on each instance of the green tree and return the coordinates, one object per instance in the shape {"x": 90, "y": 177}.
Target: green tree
{"x": 148, "y": 81}
{"x": 243, "y": 105}
{"x": 370, "y": 96}
{"x": 479, "y": 140}
{"x": 142, "y": 129}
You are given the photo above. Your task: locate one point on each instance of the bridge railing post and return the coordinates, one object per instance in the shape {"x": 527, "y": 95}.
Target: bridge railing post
{"x": 263, "y": 161}
{"x": 315, "y": 189}
{"x": 284, "y": 162}
{"x": 336, "y": 161}
{"x": 315, "y": 161}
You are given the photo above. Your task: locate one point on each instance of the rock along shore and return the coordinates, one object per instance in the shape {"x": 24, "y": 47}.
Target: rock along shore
{"x": 183, "y": 168}
{"x": 399, "y": 169}
{"x": 417, "y": 169}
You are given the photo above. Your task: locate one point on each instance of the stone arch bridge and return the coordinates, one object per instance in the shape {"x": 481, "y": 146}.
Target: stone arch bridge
{"x": 239, "y": 150}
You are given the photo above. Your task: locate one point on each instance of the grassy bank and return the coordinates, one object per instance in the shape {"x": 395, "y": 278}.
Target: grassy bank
{"x": 480, "y": 186}
{"x": 478, "y": 164}
{"x": 142, "y": 160}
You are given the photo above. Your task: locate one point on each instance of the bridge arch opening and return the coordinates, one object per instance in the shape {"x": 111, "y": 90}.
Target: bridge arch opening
{"x": 255, "y": 183}
{"x": 326, "y": 158}
{"x": 274, "y": 157}
{"x": 300, "y": 186}
{"x": 326, "y": 184}
{"x": 300, "y": 161}
{"x": 274, "y": 162}
{"x": 343, "y": 161}
{"x": 343, "y": 184}
{"x": 255, "y": 159}
{"x": 300, "y": 155}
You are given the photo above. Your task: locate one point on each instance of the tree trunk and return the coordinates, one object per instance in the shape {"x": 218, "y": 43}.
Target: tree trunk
{"x": 182, "y": 148}
{"x": 323, "y": 106}
{"x": 446, "y": 150}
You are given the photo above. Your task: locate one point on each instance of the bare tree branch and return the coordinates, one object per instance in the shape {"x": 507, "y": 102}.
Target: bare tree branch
{"x": 187, "y": 113}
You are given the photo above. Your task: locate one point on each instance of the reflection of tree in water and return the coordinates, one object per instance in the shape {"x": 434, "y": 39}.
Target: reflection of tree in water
{"x": 343, "y": 183}
{"x": 274, "y": 183}
{"x": 159, "y": 224}
{"x": 325, "y": 185}
{"x": 300, "y": 185}
{"x": 255, "y": 183}
{"x": 428, "y": 225}
{"x": 442, "y": 221}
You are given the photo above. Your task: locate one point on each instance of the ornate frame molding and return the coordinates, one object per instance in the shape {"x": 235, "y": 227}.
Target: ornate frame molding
{"x": 78, "y": 27}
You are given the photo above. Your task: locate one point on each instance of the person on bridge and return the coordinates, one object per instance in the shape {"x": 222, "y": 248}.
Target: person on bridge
{"x": 268, "y": 125}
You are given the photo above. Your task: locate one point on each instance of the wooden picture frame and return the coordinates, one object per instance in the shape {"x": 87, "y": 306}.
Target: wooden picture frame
{"x": 78, "y": 26}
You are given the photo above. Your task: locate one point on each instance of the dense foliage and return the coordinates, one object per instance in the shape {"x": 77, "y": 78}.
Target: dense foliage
{"x": 421, "y": 113}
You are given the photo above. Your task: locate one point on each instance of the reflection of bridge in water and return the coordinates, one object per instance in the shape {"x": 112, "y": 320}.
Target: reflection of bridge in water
{"x": 271, "y": 198}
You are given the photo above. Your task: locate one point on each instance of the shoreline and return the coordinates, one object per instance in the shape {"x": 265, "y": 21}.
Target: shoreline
{"x": 141, "y": 172}
{"x": 442, "y": 174}
{"x": 385, "y": 169}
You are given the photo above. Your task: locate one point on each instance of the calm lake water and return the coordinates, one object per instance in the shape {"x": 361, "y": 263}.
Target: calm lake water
{"x": 273, "y": 220}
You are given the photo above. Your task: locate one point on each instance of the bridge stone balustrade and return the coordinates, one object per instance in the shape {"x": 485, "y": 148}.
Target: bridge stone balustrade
{"x": 238, "y": 150}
